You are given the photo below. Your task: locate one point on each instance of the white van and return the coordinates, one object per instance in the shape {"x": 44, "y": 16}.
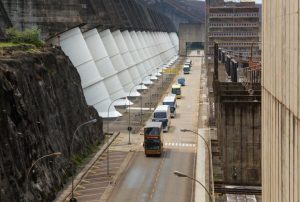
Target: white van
{"x": 162, "y": 114}
{"x": 171, "y": 101}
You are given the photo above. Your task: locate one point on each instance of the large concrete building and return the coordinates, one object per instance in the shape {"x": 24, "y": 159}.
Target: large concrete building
{"x": 281, "y": 101}
{"x": 190, "y": 33}
{"x": 234, "y": 26}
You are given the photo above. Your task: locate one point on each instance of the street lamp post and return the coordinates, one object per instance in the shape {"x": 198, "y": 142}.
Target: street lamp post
{"x": 179, "y": 174}
{"x": 34, "y": 163}
{"x": 156, "y": 98}
{"x": 142, "y": 97}
{"x": 210, "y": 160}
{"x": 129, "y": 121}
{"x": 71, "y": 153}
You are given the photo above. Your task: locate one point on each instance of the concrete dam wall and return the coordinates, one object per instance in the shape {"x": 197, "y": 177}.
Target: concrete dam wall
{"x": 53, "y": 16}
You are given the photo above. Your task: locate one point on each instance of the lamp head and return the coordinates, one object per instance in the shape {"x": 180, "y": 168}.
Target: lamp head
{"x": 179, "y": 174}
{"x": 93, "y": 121}
{"x": 56, "y": 154}
{"x": 184, "y": 130}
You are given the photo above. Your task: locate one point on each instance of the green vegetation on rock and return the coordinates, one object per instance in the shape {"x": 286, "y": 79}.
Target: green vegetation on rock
{"x": 28, "y": 36}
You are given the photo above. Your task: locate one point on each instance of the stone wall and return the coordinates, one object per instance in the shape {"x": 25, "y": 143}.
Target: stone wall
{"x": 41, "y": 104}
{"x": 238, "y": 120}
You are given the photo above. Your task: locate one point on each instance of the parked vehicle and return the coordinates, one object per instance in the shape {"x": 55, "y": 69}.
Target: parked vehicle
{"x": 162, "y": 114}
{"x": 171, "y": 101}
{"x": 176, "y": 89}
{"x": 153, "y": 141}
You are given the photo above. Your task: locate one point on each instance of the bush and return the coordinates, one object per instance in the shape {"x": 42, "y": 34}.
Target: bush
{"x": 30, "y": 36}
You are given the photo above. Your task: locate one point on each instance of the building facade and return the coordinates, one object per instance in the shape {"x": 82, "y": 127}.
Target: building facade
{"x": 235, "y": 27}
{"x": 281, "y": 101}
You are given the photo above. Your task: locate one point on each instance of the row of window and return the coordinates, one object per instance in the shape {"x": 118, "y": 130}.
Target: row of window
{"x": 234, "y": 34}
{"x": 222, "y": 44}
{"x": 233, "y": 15}
{"x": 233, "y": 24}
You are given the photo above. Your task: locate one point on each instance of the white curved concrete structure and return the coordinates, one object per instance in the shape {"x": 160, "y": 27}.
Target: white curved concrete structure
{"x": 157, "y": 49}
{"x": 120, "y": 68}
{"x": 138, "y": 55}
{"x": 95, "y": 92}
{"x": 133, "y": 61}
{"x": 155, "y": 54}
{"x": 105, "y": 67}
{"x": 141, "y": 46}
{"x": 175, "y": 40}
{"x": 148, "y": 59}
{"x": 156, "y": 62}
{"x": 130, "y": 66}
{"x": 172, "y": 49}
{"x": 154, "y": 50}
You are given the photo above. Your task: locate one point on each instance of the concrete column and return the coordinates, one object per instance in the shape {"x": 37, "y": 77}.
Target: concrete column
{"x": 133, "y": 60}
{"x": 140, "y": 56}
{"x": 128, "y": 79}
{"x": 118, "y": 65}
{"x": 143, "y": 54}
{"x": 148, "y": 58}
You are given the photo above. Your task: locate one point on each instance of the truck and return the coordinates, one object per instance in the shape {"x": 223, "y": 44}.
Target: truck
{"x": 162, "y": 114}
{"x": 171, "y": 101}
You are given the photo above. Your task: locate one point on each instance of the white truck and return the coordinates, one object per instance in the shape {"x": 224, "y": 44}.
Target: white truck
{"x": 162, "y": 114}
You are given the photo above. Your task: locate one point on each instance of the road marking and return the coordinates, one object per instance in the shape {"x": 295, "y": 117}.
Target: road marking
{"x": 157, "y": 176}
{"x": 176, "y": 144}
{"x": 91, "y": 171}
{"x": 92, "y": 188}
{"x": 80, "y": 187}
{"x": 87, "y": 195}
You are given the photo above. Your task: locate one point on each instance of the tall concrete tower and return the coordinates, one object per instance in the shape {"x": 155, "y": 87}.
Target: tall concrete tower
{"x": 281, "y": 106}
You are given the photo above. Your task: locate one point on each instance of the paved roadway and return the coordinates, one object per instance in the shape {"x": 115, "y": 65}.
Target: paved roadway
{"x": 151, "y": 178}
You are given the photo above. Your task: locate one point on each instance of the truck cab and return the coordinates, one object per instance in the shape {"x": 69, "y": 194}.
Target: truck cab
{"x": 162, "y": 114}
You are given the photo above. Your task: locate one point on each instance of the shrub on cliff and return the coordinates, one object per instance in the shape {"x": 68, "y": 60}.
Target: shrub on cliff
{"x": 30, "y": 36}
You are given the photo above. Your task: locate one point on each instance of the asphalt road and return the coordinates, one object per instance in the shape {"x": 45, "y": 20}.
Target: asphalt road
{"x": 151, "y": 178}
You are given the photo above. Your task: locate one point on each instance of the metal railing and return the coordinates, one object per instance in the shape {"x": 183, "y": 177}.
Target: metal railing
{"x": 252, "y": 75}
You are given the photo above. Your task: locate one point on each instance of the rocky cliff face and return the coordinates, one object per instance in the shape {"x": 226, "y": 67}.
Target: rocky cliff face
{"x": 41, "y": 104}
